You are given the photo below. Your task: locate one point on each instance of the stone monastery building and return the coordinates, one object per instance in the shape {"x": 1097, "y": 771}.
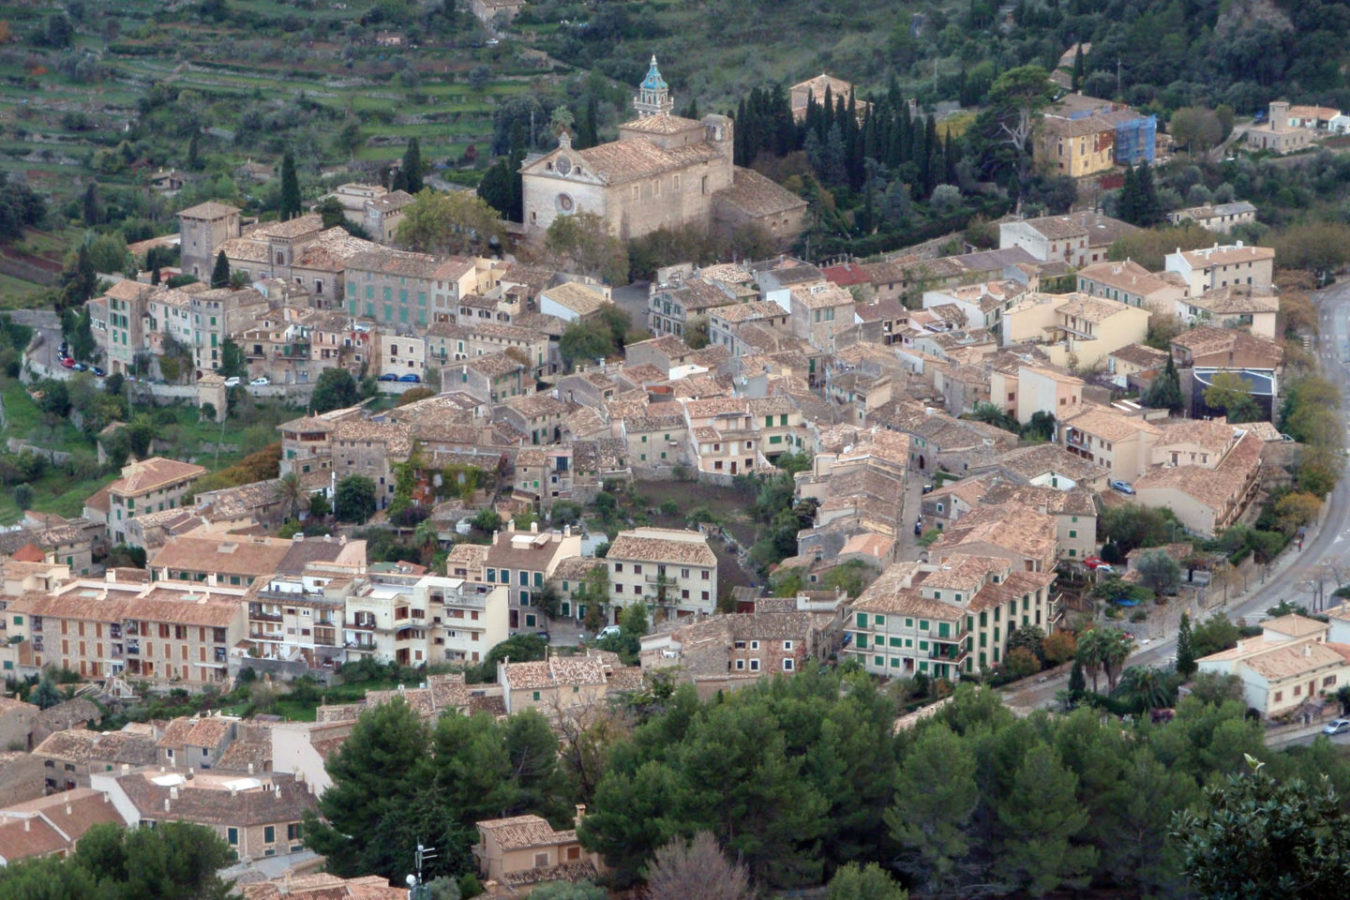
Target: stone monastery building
{"x": 663, "y": 171}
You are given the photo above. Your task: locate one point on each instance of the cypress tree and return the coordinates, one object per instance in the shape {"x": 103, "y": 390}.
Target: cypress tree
{"x": 1150, "y": 207}
{"x": 412, "y": 167}
{"x": 590, "y": 129}
{"x": 1077, "y": 683}
{"x": 1186, "y": 664}
{"x": 290, "y": 189}
{"x": 1078, "y": 68}
{"x": 154, "y": 276}
{"x": 1128, "y": 209}
{"x": 90, "y": 203}
{"x": 194, "y": 161}
{"x": 220, "y": 275}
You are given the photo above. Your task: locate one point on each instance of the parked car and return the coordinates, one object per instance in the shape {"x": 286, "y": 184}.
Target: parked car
{"x": 233, "y": 381}
{"x": 1093, "y": 562}
{"x": 607, "y": 631}
{"x": 99, "y": 371}
{"x": 67, "y": 362}
{"x": 1123, "y": 486}
{"x": 80, "y": 367}
{"x": 545, "y": 635}
{"x": 1337, "y": 726}
{"x": 388, "y": 376}
{"x": 411, "y": 378}
{"x": 261, "y": 381}
{"x": 1105, "y": 569}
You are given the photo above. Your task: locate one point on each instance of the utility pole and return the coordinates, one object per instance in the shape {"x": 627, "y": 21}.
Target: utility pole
{"x": 1118, "y": 76}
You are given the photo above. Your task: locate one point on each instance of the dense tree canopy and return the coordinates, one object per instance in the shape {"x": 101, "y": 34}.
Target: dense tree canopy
{"x": 173, "y": 861}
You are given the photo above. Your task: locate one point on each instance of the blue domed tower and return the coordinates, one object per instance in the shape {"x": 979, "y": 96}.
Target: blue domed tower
{"x": 653, "y": 97}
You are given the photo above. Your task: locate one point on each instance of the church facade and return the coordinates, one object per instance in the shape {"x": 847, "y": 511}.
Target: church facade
{"x": 663, "y": 171}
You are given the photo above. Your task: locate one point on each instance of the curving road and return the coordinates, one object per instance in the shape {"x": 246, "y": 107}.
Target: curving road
{"x": 1325, "y": 552}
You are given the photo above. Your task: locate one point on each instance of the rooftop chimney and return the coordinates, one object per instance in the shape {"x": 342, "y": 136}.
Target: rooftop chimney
{"x": 166, "y": 804}
{"x": 173, "y": 795}
{"x": 250, "y": 768}
{"x": 581, "y": 812}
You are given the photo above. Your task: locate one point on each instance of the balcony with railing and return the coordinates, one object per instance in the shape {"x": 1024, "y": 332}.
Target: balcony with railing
{"x": 259, "y": 613}
{"x": 953, "y": 653}
{"x": 262, "y": 634}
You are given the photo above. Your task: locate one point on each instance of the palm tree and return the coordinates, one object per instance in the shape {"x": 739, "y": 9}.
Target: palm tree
{"x": 1147, "y": 686}
{"x": 292, "y": 493}
{"x": 1118, "y": 648}
{"x": 1092, "y": 653}
{"x": 427, "y": 537}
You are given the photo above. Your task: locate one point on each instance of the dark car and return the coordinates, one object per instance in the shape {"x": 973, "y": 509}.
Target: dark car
{"x": 411, "y": 378}
{"x": 80, "y": 367}
{"x": 544, "y": 635}
{"x": 99, "y": 371}
{"x": 390, "y": 376}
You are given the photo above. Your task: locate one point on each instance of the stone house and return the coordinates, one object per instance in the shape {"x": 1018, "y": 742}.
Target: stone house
{"x": 522, "y": 851}
{"x": 204, "y": 229}
{"x": 488, "y": 379}
{"x": 1223, "y": 265}
{"x": 1220, "y": 218}
{"x": 71, "y": 755}
{"x": 1130, "y": 283}
{"x": 52, "y": 826}
{"x": 554, "y": 686}
{"x": 147, "y": 485}
{"x": 257, "y": 817}
{"x": 523, "y": 561}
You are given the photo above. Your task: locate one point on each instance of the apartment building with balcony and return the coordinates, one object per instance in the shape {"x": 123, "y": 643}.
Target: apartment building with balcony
{"x": 947, "y": 619}
{"x": 664, "y": 567}
{"x": 413, "y": 619}
{"x": 298, "y": 611}
{"x": 165, "y": 632}
{"x": 1103, "y": 435}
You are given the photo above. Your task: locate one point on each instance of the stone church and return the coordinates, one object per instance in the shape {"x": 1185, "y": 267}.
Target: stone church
{"x": 663, "y": 171}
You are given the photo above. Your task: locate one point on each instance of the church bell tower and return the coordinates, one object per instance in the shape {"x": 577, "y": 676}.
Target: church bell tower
{"x": 653, "y": 97}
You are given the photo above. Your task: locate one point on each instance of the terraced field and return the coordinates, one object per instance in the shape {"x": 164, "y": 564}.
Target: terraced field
{"x": 113, "y": 105}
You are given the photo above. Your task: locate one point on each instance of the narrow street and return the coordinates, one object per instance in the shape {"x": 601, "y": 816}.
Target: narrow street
{"x": 1326, "y": 549}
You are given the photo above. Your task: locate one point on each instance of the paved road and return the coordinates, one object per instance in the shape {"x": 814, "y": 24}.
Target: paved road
{"x": 632, "y": 299}
{"x": 1292, "y": 576}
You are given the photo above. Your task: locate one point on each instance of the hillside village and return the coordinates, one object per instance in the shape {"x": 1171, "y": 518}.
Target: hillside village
{"x": 929, "y": 466}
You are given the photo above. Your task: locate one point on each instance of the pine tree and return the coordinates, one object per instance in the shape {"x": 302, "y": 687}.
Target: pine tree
{"x": 1186, "y": 664}
{"x": 290, "y": 189}
{"x": 220, "y": 275}
{"x": 412, "y": 167}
